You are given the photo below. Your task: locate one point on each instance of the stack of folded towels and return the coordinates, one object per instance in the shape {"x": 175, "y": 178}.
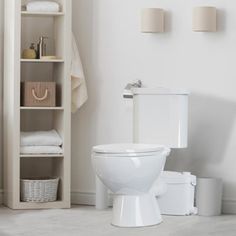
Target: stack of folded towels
{"x": 43, "y": 6}
{"x": 41, "y": 142}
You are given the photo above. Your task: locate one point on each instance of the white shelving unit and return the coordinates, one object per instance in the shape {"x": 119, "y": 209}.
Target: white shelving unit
{"x": 21, "y": 29}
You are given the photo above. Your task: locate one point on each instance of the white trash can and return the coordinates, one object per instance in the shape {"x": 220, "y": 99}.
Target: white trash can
{"x": 209, "y": 196}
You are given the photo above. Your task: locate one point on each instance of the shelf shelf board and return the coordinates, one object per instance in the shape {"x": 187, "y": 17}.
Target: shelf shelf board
{"x": 41, "y": 155}
{"x": 27, "y": 13}
{"x": 42, "y": 108}
{"x": 41, "y": 61}
{"x": 46, "y": 205}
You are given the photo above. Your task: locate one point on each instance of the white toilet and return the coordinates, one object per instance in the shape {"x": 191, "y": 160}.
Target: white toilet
{"x": 130, "y": 171}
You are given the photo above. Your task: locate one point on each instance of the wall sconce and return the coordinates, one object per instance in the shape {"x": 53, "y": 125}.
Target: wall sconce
{"x": 204, "y": 19}
{"x": 152, "y": 20}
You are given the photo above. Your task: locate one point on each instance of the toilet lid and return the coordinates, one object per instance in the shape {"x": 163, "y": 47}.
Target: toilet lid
{"x": 127, "y": 148}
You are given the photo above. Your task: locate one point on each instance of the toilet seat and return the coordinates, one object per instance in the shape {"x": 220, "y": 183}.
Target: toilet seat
{"x": 137, "y": 150}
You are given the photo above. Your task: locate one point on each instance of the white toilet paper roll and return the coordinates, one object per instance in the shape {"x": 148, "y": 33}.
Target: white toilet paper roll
{"x": 209, "y": 196}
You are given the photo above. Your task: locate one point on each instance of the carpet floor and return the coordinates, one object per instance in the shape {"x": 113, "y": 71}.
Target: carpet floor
{"x": 86, "y": 221}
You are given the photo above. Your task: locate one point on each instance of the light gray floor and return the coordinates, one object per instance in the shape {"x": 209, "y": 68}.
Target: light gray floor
{"x": 86, "y": 221}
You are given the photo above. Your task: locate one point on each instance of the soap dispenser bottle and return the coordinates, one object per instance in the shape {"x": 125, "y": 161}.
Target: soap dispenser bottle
{"x": 41, "y": 47}
{"x": 29, "y": 53}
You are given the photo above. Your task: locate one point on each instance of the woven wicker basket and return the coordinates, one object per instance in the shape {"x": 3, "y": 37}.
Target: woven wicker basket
{"x": 39, "y": 190}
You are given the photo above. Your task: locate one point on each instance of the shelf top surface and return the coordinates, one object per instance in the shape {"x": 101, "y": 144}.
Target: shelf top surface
{"x": 41, "y": 155}
{"x": 42, "y": 61}
{"x": 27, "y": 13}
{"x": 41, "y": 108}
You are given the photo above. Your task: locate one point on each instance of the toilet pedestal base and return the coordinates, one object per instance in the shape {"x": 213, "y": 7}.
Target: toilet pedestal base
{"x": 135, "y": 211}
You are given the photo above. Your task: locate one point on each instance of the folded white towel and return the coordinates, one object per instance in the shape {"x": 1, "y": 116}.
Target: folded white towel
{"x": 43, "y": 6}
{"x": 41, "y": 150}
{"x": 40, "y": 138}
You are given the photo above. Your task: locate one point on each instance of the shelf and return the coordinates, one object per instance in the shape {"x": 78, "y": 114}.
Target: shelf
{"x": 47, "y": 205}
{"x": 54, "y": 68}
{"x": 42, "y": 108}
{"x": 26, "y": 13}
{"x": 41, "y": 61}
{"x": 41, "y": 155}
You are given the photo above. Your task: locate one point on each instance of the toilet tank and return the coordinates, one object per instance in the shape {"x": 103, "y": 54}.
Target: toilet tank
{"x": 161, "y": 116}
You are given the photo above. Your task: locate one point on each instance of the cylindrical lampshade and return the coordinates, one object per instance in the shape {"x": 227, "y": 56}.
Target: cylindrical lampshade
{"x": 204, "y": 19}
{"x": 152, "y": 20}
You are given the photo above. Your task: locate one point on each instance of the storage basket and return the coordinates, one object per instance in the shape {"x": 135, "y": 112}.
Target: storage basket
{"x": 39, "y": 190}
{"x": 38, "y": 94}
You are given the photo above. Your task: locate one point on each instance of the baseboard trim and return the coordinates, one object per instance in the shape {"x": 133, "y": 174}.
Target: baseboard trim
{"x": 83, "y": 198}
{"x": 88, "y": 198}
{"x": 1, "y": 196}
{"x": 229, "y": 207}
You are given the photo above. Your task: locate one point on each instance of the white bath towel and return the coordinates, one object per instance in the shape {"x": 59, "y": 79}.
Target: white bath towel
{"x": 41, "y": 138}
{"x": 78, "y": 83}
{"x": 41, "y": 150}
{"x": 42, "y": 6}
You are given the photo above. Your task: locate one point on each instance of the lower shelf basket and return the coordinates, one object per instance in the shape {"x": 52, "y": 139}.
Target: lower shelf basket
{"x": 39, "y": 189}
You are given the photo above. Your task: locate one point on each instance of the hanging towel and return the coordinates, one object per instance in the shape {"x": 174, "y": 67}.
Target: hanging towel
{"x": 78, "y": 84}
{"x": 42, "y": 6}
{"x": 41, "y": 150}
{"x": 40, "y": 138}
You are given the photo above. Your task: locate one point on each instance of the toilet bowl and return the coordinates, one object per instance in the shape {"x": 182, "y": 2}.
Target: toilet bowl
{"x": 129, "y": 171}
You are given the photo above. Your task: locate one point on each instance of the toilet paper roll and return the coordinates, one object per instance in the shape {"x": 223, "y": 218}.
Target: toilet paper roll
{"x": 209, "y": 196}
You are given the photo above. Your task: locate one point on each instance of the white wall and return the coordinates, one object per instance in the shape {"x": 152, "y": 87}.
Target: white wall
{"x": 114, "y": 52}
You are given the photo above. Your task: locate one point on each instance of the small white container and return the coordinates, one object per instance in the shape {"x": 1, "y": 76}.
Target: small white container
{"x": 179, "y": 197}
